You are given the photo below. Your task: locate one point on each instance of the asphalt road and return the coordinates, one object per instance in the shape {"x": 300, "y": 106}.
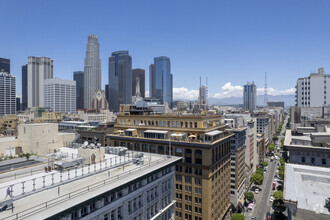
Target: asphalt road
{"x": 263, "y": 205}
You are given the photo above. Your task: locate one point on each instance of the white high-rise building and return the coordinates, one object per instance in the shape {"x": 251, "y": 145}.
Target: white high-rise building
{"x": 7, "y": 94}
{"x": 250, "y": 96}
{"x": 60, "y": 95}
{"x": 38, "y": 69}
{"x": 314, "y": 90}
{"x": 92, "y": 70}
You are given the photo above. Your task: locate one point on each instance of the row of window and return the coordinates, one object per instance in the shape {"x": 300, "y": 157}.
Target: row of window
{"x": 160, "y": 123}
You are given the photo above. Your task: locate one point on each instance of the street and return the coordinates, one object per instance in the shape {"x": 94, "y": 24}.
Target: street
{"x": 263, "y": 205}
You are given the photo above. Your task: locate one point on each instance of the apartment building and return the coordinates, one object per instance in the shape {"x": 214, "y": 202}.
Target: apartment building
{"x": 202, "y": 179}
{"x": 237, "y": 165}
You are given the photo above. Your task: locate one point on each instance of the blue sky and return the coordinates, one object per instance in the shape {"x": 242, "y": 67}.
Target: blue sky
{"x": 231, "y": 42}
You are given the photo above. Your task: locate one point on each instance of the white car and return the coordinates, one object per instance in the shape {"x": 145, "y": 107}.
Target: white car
{"x": 271, "y": 199}
{"x": 256, "y": 191}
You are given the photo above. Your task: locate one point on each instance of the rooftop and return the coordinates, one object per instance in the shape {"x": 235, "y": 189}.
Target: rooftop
{"x": 54, "y": 198}
{"x": 308, "y": 186}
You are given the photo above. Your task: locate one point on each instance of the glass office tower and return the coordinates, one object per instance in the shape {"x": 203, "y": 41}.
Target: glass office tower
{"x": 161, "y": 82}
{"x": 120, "y": 79}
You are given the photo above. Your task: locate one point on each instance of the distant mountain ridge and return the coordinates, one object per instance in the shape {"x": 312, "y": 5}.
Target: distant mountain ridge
{"x": 289, "y": 100}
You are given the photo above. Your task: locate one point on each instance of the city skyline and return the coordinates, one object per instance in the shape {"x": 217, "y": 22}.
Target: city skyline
{"x": 280, "y": 45}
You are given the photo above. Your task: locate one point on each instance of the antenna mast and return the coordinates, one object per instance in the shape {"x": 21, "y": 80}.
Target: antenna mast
{"x": 265, "y": 95}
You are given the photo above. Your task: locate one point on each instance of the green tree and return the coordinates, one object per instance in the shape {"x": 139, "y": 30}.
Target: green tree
{"x": 264, "y": 163}
{"x": 249, "y": 196}
{"x": 260, "y": 171}
{"x": 271, "y": 147}
{"x": 275, "y": 138}
{"x": 278, "y": 195}
{"x": 237, "y": 216}
{"x": 27, "y": 155}
{"x": 279, "y": 206}
{"x": 257, "y": 179}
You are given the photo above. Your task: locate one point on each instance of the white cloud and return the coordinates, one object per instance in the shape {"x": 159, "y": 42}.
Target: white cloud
{"x": 185, "y": 94}
{"x": 229, "y": 90}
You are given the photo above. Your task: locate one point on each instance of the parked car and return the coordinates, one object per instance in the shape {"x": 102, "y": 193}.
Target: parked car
{"x": 253, "y": 218}
{"x": 256, "y": 191}
{"x": 274, "y": 186}
{"x": 271, "y": 199}
{"x": 268, "y": 216}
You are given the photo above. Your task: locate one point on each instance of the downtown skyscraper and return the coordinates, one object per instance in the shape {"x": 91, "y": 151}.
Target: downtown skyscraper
{"x": 78, "y": 76}
{"x": 7, "y": 93}
{"x": 120, "y": 79}
{"x": 161, "y": 80}
{"x": 92, "y": 70}
{"x": 38, "y": 69}
{"x": 250, "y": 96}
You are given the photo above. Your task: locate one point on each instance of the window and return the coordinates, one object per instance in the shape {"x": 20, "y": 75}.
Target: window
{"x": 312, "y": 160}
{"x": 198, "y": 161}
{"x": 303, "y": 160}
{"x": 324, "y": 162}
{"x": 178, "y": 150}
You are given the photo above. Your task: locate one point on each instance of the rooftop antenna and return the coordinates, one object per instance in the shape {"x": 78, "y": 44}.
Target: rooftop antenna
{"x": 265, "y": 95}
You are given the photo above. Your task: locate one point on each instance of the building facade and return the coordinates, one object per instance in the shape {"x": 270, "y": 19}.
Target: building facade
{"x": 314, "y": 90}
{"x": 78, "y": 76}
{"x": 4, "y": 65}
{"x": 92, "y": 70}
{"x": 131, "y": 192}
{"x": 7, "y": 94}
{"x": 24, "y": 87}
{"x": 237, "y": 165}
{"x": 250, "y": 96}
{"x": 60, "y": 95}
{"x": 120, "y": 79}
{"x": 161, "y": 80}
{"x": 38, "y": 69}
{"x": 99, "y": 101}
{"x": 202, "y": 180}
{"x": 138, "y": 75}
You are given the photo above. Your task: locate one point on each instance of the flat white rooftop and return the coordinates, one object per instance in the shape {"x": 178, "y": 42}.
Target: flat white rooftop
{"x": 54, "y": 200}
{"x": 309, "y": 186}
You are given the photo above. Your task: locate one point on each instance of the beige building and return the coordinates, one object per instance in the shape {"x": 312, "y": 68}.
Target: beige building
{"x": 202, "y": 180}
{"x": 92, "y": 156}
{"x": 8, "y": 125}
{"x": 42, "y": 138}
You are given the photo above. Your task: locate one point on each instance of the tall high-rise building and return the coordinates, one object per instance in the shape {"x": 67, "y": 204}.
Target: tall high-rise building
{"x": 314, "y": 90}
{"x": 7, "y": 94}
{"x": 60, "y": 95}
{"x": 78, "y": 76}
{"x": 162, "y": 80}
{"x": 138, "y": 75}
{"x": 24, "y": 87}
{"x": 92, "y": 70}
{"x": 250, "y": 96}
{"x": 151, "y": 79}
{"x": 107, "y": 92}
{"x": 120, "y": 79}
{"x": 202, "y": 177}
{"x": 5, "y": 65}
{"x": 38, "y": 69}
{"x": 18, "y": 104}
